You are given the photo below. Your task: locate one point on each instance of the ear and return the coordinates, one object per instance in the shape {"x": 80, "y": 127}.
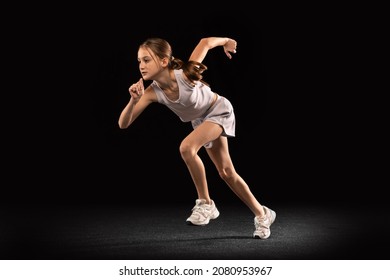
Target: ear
{"x": 164, "y": 62}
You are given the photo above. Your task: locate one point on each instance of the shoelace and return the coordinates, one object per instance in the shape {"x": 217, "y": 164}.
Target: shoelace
{"x": 198, "y": 210}
{"x": 262, "y": 224}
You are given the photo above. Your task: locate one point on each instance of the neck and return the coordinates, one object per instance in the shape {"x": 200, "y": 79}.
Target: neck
{"x": 167, "y": 81}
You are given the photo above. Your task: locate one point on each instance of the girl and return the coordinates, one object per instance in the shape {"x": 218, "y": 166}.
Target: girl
{"x": 180, "y": 87}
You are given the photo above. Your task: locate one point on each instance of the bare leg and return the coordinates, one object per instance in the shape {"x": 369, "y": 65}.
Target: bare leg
{"x": 219, "y": 154}
{"x": 189, "y": 148}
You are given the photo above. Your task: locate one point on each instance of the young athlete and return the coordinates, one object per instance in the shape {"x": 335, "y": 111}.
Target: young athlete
{"x": 179, "y": 85}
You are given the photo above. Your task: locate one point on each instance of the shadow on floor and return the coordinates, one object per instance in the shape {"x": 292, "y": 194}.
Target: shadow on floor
{"x": 106, "y": 232}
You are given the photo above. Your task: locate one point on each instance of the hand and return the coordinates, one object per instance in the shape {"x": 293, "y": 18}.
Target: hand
{"x": 137, "y": 90}
{"x": 230, "y": 47}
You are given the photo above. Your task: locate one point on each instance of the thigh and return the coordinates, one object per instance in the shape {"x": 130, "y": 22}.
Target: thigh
{"x": 219, "y": 154}
{"x": 202, "y": 134}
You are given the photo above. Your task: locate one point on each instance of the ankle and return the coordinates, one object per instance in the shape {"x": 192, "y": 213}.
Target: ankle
{"x": 207, "y": 200}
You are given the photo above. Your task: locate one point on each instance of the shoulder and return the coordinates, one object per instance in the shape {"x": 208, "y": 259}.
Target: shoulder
{"x": 180, "y": 73}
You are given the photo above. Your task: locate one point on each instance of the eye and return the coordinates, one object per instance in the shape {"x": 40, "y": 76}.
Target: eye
{"x": 144, "y": 60}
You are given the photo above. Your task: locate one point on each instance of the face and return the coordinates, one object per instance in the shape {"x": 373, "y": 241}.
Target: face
{"x": 149, "y": 64}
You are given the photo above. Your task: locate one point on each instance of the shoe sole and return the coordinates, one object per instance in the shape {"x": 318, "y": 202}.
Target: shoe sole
{"x": 273, "y": 217}
{"x": 206, "y": 222}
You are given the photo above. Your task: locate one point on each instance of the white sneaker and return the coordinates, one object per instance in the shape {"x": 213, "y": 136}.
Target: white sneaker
{"x": 263, "y": 225}
{"x": 202, "y": 213}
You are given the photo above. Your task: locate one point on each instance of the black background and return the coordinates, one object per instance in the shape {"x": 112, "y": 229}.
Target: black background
{"x": 300, "y": 135}
{"x": 309, "y": 122}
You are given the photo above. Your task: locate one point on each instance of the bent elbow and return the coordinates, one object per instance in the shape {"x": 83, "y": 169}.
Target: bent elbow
{"x": 206, "y": 42}
{"x": 122, "y": 125}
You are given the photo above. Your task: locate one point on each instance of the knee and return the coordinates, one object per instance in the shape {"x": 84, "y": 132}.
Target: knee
{"x": 187, "y": 151}
{"x": 226, "y": 173}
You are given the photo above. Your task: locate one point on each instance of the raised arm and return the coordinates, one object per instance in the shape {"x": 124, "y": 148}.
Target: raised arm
{"x": 140, "y": 98}
{"x": 206, "y": 44}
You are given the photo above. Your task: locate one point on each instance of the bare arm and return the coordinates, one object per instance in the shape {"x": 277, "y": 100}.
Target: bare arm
{"x": 206, "y": 44}
{"x": 140, "y": 98}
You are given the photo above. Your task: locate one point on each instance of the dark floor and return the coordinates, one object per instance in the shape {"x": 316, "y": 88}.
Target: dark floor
{"x": 93, "y": 231}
